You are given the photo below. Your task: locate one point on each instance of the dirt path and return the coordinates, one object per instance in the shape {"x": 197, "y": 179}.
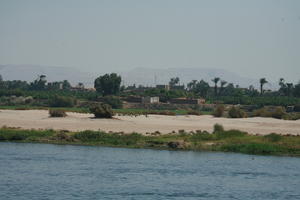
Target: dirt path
{"x": 39, "y": 119}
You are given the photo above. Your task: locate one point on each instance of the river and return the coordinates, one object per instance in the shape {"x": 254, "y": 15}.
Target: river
{"x": 45, "y": 171}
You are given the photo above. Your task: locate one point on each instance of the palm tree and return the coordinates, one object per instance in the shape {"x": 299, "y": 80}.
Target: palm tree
{"x": 289, "y": 88}
{"x": 281, "y": 82}
{"x": 191, "y": 85}
{"x": 262, "y": 81}
{"x": 216, "y": 80}
{"x": 223, "y": 83}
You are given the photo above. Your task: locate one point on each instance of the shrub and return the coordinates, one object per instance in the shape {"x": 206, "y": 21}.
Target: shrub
{"x": 252, "y": 148}
{"x": 230, "y": 133}
{"x": 262, "y": 112}
{"x": 236, "y": 112}
{"x": 279, "y": 113}
{"x": 102, "y": 111}
{"x": 61, "y": 101}
{"x": 202, "y": 136}
{"x": 57, "y": 113}
{"x": 273, "y": 137}
{"x": 297, "y": 108}
{"x": 219, "y": 110}
{"x": 218, "y": 128}
{"x": 113, "y": 101}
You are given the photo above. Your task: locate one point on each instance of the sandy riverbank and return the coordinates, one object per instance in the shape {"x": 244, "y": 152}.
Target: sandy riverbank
{"x": 39, "y": 119}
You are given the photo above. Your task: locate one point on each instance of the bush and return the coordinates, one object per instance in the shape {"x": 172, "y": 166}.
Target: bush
{"x": 236, "y": 112}
{"x": 218, "y": 128}
{"x": 202, "y": 136}
{"x": 262, "y": 112}
{"x": 230, "y": 133}
{"x": 218, "y": 112}
{"x": 279, "y": 113}
{"x": 113, "y": 101}
{"x": 273, "y": 137}
{"x": 57, "y": 113}
{"x": 107, "y": 138}
{"x": 297, "y": 108}
{"x": 252, "y": 148}
{"x": 102, "y": 111}
{"x": 61, "y": 101}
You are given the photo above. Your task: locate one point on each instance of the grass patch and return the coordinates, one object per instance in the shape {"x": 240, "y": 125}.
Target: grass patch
{"x": 253, "y": 148}
{"x": 219, "y": 140}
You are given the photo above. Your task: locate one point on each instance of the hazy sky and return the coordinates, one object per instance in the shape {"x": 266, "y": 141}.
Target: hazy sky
{"x": 255, "y": 38}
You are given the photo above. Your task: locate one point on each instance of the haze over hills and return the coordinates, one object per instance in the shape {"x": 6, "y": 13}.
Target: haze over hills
{"x": 143, "y": 76}
{"x": 146, "y": 76}
{"x": 53, "y": 73}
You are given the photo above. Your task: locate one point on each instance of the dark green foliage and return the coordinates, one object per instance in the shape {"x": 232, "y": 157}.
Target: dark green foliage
{"x": 236, "y": 112}
{"x": 202, "y": 136}
{"x": 39, "y": 84}
{"x": 273, "y": 137}
{"x": 262, "y": 112}
{"x": 218, "y": 128}
{"x": 297, "y": 108}
{"x": 200, "y": 88}
{"x": 230, "y": 134}
{"x": 57, "y": 113}
{"x": 102, "y": 111}
{"x": 253, "y": 148}
{"x": 219, "y": 110}
{"x": 109, "y": 139}
{"x": 113, "y": 101}
{"x": 279, "y": 113}
{"x": 260, "y": 101}
{"x": 108, "y": 84}
{"x": 16, "y": 134}
{"x": 61, "y": 101}
{"x": 232, "y": 140}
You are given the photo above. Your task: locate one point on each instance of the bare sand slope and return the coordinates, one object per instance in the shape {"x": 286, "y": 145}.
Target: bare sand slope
{"x": 39, "y": 119}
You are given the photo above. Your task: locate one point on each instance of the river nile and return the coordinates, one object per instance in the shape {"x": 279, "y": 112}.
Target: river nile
{"x": 44, "y": 171}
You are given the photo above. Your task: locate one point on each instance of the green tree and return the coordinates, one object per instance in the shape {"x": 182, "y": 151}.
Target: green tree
{"x": 191, "y": 85}
{"x": 39, "y": 83}
{"x": 289, "y": 89}
{"x": 223, "y": 83}
{"x": 66, "y": 85}
{"x": 108, "y": 84}
{"x": 216, "y": 80}
{"x": 202, "y": 88}
{"x": 174, "y": 81}
{"x": 296, "y": 91}
{"x": 262, "y": 82}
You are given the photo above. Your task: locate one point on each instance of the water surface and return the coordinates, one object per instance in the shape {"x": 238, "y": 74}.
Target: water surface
{"x": 44, "y": 171}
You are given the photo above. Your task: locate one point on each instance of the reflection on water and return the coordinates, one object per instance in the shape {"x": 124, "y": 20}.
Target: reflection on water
{"x": 42, "y": 171}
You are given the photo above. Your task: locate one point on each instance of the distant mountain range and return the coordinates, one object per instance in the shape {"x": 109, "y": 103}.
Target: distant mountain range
{"x": 146, "y": 76}
{"x": 143, "y": 76}
{"x": 31, "y": 72}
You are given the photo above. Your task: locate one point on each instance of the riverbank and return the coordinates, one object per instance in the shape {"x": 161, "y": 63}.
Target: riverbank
{"x": 219, "y": 140}
{"x": 39, "y": 119}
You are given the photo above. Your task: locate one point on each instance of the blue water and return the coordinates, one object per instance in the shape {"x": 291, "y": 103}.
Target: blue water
{"x": 43, "y": 171}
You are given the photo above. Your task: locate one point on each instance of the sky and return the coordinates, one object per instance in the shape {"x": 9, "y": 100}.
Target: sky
{"x": 254, "y": 38}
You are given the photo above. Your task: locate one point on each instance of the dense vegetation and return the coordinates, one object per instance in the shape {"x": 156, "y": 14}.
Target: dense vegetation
{"x": 43, "y": 94}
{"x": 219, "y": 140}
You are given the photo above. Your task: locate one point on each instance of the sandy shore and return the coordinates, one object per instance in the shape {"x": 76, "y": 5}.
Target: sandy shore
{"x": 39, "y": 119}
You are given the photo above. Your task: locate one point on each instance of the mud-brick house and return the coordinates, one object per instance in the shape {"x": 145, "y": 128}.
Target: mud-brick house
{"x": 150, "y": 100}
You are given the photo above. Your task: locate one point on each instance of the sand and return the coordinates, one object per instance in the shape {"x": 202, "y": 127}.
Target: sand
{"x": 39, "y": 119}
